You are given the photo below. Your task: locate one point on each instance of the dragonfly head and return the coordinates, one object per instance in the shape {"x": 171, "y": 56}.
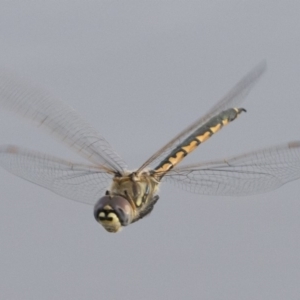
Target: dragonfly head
{"x": 113, "y": 212}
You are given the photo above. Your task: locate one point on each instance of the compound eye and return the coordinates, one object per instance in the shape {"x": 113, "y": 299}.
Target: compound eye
{"x": 117, "y": 206}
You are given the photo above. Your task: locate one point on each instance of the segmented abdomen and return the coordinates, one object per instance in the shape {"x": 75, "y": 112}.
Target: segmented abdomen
{"x": 199, "y": 136}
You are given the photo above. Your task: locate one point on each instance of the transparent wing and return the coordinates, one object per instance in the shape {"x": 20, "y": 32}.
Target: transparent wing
{"x": 232, "y": 99}
{"x": 31, "y": 102}
{"x": 78, "y": 182}
{"x": 251, "y": 173}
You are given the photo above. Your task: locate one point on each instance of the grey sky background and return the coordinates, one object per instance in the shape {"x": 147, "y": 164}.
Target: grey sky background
{"x": 140, "y": 71}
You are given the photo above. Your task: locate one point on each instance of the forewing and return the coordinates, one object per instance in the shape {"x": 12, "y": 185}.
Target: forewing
{"x": 37, "y": 105}
{"x": 251, "y": 173}
{"x": 79, "y": 182}
{"x": 231, "y": 100}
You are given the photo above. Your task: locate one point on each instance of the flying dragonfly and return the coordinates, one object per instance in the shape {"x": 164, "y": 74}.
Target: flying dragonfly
{"x": 133, "y": 194}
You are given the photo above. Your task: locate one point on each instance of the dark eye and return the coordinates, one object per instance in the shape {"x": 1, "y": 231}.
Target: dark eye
{"x": 121, "y": 213}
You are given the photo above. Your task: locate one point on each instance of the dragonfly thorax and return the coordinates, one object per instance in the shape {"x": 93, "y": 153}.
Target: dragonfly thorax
{"x": 136, "y": 188}
{"x": 130, "y": 198}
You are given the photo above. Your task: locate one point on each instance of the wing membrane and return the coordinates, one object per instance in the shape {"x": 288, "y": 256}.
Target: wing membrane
{"x": 38, "y": 106}
{"x": 233, "y": 98}
{"x": 251, "y": 173}
{"x": 79, "y": 182}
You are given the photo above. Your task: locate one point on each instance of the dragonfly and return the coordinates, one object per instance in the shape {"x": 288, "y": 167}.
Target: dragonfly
{"x": 122, "y": 197}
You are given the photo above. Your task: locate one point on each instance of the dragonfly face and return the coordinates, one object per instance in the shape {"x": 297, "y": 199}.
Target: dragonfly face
{"x": 132, "y": 195}
{"x": 113, "y": 212}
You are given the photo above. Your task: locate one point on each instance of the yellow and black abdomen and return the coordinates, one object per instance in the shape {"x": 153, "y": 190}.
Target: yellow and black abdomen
{"x": 199, "y": 136}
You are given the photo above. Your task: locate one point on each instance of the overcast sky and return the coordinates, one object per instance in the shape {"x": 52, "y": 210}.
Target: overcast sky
{"x": 140, "y": 71}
